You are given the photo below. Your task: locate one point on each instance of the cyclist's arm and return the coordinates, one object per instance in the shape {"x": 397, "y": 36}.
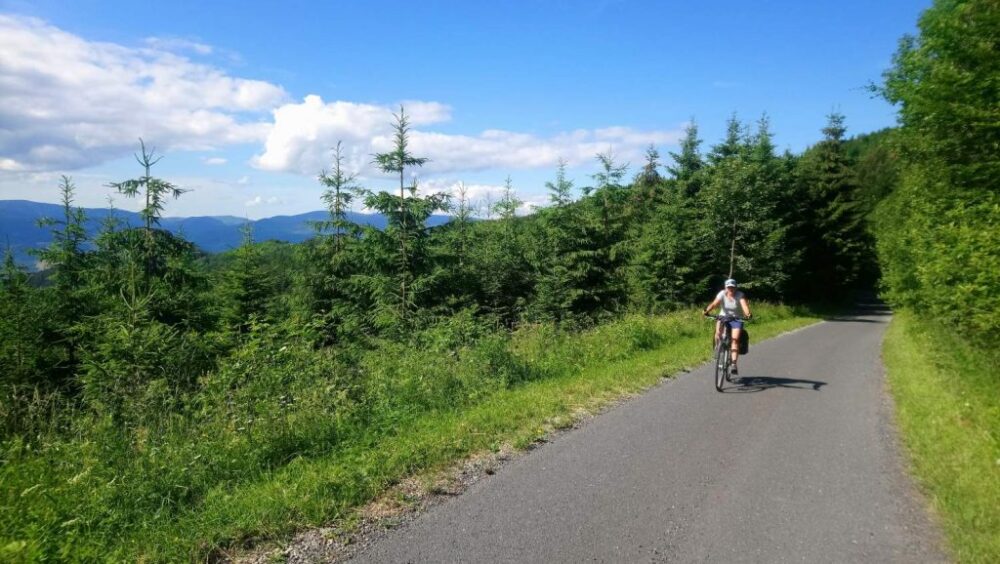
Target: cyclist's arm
{"x": 711, "y": 306}
{"x": 746, "y": 307}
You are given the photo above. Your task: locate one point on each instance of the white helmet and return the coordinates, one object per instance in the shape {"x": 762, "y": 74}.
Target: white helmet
{"x": 730, "y": 283}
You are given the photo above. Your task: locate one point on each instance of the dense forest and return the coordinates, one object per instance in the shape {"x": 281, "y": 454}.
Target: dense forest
{"x": 144, "y": 373}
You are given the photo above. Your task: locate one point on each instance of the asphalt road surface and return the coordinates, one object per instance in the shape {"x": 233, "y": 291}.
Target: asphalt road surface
{"x": 798, "y": 463}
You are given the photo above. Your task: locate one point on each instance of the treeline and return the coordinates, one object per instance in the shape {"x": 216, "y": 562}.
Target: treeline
{"x": 140, "y": 309}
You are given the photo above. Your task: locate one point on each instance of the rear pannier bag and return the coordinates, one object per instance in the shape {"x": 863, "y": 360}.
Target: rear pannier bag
{"x": 744, "y": 341}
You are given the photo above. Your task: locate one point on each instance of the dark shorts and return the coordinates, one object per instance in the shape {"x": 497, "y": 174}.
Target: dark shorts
{"x": 735, "y": 324}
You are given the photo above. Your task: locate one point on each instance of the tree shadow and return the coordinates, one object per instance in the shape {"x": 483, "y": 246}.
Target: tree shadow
{"x": 750, "y": 384}
{"x": 851, "y": 319}
{"x": 863, "y": 313}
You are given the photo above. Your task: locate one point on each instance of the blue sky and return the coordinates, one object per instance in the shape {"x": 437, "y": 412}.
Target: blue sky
{"x": 496, "y": 88}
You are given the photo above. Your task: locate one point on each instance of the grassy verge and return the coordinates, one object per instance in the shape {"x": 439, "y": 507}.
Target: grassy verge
{"x": 331, "y": 441}
{"x": 948, "y": 409}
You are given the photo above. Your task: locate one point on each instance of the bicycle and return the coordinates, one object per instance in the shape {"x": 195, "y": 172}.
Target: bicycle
{"x": 723, "y": 362}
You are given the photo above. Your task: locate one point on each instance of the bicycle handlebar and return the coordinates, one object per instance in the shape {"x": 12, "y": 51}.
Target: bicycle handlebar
{"x": 728, "y": 318}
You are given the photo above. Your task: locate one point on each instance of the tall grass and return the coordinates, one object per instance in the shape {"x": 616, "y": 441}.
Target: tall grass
{"x": 284, "y": 436}
{"x": 948, "y": 408}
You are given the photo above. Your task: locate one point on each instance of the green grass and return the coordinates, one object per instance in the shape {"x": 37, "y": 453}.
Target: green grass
{"x": 286, "y": 440}
{"x": 948, "y": 409}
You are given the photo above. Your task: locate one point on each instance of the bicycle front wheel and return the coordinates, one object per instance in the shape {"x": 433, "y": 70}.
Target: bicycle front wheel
{"x": 721, "y": 364}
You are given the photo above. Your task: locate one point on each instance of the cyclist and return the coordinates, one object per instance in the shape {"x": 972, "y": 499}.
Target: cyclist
{"x": 731, "y": 300}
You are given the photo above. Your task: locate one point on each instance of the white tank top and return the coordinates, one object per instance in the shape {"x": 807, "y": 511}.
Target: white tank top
{"x": 730, "y": 306}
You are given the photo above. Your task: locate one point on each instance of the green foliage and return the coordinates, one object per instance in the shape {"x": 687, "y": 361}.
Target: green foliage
{"x": 876, "y": 167}
{"x": 133, "y": 360}
{"x": 937, "y": 234}
{"x": 745, "y": 227}
{"x": 574, "y": 258}
{"x": 940, "y": 254}
{"x": 667, "y": 264}
{"x": 25, "y": 354}
{"x": 944, "y": 82}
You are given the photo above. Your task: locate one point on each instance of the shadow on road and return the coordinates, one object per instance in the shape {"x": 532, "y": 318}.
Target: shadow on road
{"x": 853, "y": 319}
{"x": 870, "y": 311}
{"x": 749, "y": 384}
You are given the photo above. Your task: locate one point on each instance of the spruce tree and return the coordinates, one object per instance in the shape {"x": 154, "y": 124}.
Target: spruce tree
{"x": 840, "y": 246}
{"x": 154, "y": 191}
{"x": 330, "y": 260}
{"x": 649, "y": 176}
{"x": 408, "y": 264}
{"x": 499, "y": 262}
{"x": 571, "y": 263}
{"x": 560, "y": 190}
{"x": 341, "y": 189}
{"x": 689, "y": 160}
{"x": 26, "y": 357}
{"x": 615, "y": 219}
{"x": 66, "y": 258}
{"x": 246, "y": 287}
{"x": 733, "y": 144}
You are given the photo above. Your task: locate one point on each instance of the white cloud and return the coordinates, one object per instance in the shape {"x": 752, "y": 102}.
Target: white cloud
{"x": 482, "y": 196}
{"x": 304, "y": 132}
{"x": 67, "y": 103}
{"x": 214, "y": 161}
{"x": 260, "y": 200}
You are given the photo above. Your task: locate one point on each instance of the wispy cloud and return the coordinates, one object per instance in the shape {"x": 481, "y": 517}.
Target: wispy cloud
{"x": 176, "y": 44}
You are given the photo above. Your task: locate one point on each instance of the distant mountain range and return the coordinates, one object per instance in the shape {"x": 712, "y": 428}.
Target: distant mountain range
{"x": 19, "y": 226}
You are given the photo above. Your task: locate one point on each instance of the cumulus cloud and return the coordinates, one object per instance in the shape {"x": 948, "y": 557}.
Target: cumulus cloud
{"x": 66, "y": 102}
{"x": 304, "y": 132}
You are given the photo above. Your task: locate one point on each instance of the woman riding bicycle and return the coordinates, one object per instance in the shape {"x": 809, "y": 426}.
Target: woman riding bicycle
{"x": 731, "y": 299}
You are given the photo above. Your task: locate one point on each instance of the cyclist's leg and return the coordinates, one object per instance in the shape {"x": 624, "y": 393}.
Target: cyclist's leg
{"x": 735, "y": 344}
{"x": 718, "y": 332}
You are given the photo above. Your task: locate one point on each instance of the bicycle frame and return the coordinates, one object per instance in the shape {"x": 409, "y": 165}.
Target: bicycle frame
{"x": 723, "y": 361}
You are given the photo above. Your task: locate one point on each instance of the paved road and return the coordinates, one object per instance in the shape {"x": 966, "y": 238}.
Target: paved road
{"x": 798, "y": 465}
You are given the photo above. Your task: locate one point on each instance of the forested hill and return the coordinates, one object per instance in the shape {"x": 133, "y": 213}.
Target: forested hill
{"x": 19, "y": 226}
